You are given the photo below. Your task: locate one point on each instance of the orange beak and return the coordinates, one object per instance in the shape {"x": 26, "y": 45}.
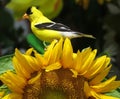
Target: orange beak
{"x": 25, "y": 16}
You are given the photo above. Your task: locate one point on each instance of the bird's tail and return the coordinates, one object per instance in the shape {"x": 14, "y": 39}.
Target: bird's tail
{"x": 85, "y": 35}
{"x": 79, "y": 34}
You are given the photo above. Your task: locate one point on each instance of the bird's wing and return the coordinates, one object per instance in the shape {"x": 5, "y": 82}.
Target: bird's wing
{"x": 65, "y": 30}
{"x": 53, "y": 26}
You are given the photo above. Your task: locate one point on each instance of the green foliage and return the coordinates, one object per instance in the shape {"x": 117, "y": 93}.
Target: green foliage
{"x": 114, "y": 93}
{"x": 5, "y": 89}
{"x": 6, "y": 63}
{"x": 36, "y": 43}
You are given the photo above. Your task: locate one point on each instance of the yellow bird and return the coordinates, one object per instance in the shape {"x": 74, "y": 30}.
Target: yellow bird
{"x": 47, "y": 30}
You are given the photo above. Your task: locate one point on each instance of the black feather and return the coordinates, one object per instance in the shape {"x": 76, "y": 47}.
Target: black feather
{"x": 53, "y": 26}
{"x": 29, "y": 11}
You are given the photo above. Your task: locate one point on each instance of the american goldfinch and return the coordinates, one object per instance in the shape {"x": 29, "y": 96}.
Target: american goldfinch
{"x": 47, "y": 30}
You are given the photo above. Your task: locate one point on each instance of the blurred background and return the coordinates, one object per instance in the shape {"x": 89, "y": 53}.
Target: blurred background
{"x": 101, "y": 18}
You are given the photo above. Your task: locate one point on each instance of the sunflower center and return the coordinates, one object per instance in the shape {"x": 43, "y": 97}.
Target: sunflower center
{"x": 57, "y": 84}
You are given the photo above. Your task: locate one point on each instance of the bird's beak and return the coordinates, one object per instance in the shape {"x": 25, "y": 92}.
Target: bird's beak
{"x": 25, "y": 16}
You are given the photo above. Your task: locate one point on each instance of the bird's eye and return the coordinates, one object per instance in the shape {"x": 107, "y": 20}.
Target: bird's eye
{"x": 37, "y": 7}
{"x": 29, "y": 11}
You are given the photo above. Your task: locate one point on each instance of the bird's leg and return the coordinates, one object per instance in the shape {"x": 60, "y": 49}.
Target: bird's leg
{"x": 44, "y": 43}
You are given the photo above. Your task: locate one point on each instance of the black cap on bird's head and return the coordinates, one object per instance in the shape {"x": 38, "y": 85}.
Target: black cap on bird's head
{"x": 29, "y": 11}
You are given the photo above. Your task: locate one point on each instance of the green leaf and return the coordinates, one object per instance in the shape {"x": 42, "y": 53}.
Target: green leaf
{"x": 35, "y": 43}
{"x": 6, "y": 63}
{"x": 114, "y": 93}
{"x": 5, "y": 89}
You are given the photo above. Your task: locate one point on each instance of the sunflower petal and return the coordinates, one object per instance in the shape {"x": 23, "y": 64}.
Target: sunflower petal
{"x": 56, "y": 52}
{"x": 49, "y": 50}
{"x": 29, "y": 51}
{"x": 41, "y": 60}
{"x": 85, "y": 53}
{"x": 2, "y": 94}
{"x": 22, "y": 60}
{"x": 53, "y": 66}
{"x": 35, "y": 79}
{"x": 77, "y": 61}
{"x": 96, "y": 67}
{"x": 13, "y": 96}
{"x": 8, "y": 78}
{"x": 75, "y": 73}
{"x": 89, "y": 92}
{"x": 100, "y": 76}
{"x": 88, "y": 62}
{"x": 33, "y": 63}
{"x": 67, "y": 55}
{"x": 20, "y": 70}
{"x": 107, "y": 85}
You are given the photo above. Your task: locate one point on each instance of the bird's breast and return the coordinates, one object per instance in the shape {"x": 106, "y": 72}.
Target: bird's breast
{"x": 45, "y": 34}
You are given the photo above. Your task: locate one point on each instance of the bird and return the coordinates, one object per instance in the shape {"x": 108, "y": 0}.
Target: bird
{"x": 48, "y": 30}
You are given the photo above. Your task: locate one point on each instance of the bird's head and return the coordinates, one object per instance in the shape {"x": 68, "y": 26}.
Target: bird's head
{"x": 32, "y": 13}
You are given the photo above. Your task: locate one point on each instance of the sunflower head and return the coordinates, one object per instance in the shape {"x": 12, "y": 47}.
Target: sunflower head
{"x": 59, "y": 74}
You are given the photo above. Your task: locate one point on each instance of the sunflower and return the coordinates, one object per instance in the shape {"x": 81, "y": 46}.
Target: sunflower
{"x": 59, "y": 74}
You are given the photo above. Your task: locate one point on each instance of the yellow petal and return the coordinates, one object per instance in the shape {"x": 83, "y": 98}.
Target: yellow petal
{"x": 87, "y": 89}
{"x": 96, "y": 67}
{"x": 22, "y": 60}
{"x": 107, "y": 61}
{"x": 41, "y": 60}
{"x": 53, "y": 66}
{"x": 85, "y": 66}
{"x": 107, "y": 85}
{"x": 85, "y": 53}
{"x": 56, "y": 52}
{"x": 13, "y": 96}
{"x": 77, "y": 61}
{"x": 35, "y": 79}
{"x": 33, "y": 63}
{"x": 74, "y": 55}
{"x": 20, "y": 70}
{"x": 1, "y": 94}
{"x": 75, "y": 73}
{"x": 29, "y": 51}
{"x": 67, "y": 54}
{"x": 89, "y": 92}
{"x": 13, "y": 81}
{"x": 48, "y": 53}
{"x": 100, "y": 76}
{"x": 28, "y": 62}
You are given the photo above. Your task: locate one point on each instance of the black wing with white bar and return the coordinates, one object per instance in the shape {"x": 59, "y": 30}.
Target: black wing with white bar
{"x": 53, "y": 26}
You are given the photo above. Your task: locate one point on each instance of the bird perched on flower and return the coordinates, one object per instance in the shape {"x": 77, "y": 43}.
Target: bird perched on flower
{"x": 47, "y": 30}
